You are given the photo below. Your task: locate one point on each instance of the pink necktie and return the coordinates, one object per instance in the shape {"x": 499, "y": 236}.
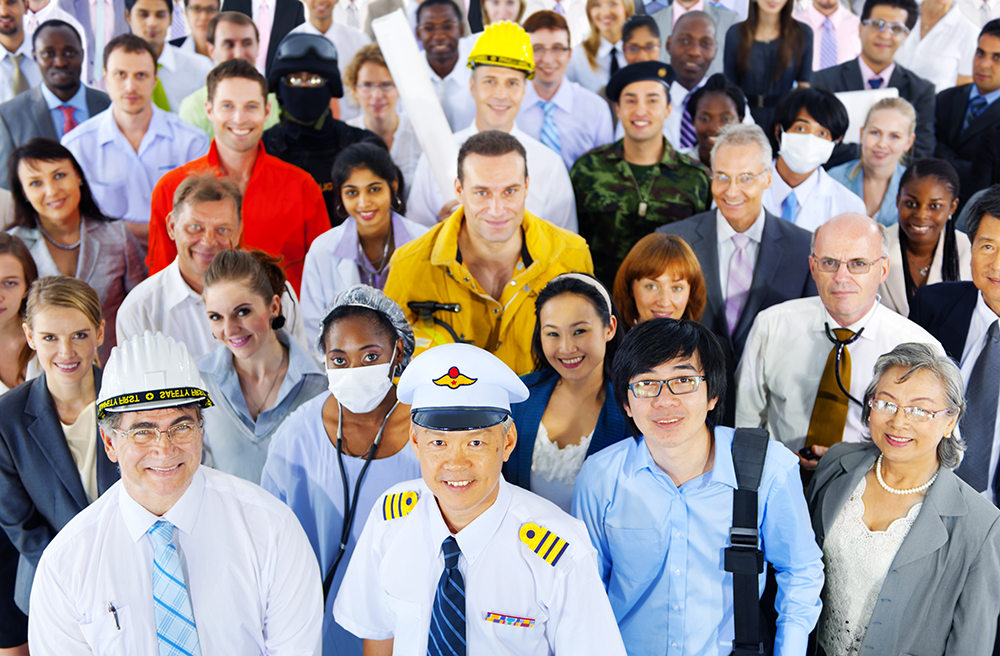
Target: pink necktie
{"x": 740, "y": 278}
{"x": 68, "y": 121}
{"x": 264, "y": 27}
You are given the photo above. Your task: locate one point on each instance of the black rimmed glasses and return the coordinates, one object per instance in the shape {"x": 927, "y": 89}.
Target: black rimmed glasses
{"x": 650, "y": 389}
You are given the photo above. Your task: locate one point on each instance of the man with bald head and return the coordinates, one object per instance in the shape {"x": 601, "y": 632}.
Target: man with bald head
{"x": 787, "y": 379}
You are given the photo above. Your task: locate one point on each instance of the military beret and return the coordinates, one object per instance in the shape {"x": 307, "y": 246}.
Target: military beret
{"x": 655, "y": 71}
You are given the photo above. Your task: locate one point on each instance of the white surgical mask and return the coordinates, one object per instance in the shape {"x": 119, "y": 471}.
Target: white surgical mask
{"x": 361, "y": 389}
{"x": 804, "y": 153}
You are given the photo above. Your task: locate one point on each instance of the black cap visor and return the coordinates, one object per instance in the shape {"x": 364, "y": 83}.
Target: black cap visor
{"x": 458, "y": 419}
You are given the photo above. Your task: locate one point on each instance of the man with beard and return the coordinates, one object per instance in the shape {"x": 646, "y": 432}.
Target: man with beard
{"x": 18, "y": 71}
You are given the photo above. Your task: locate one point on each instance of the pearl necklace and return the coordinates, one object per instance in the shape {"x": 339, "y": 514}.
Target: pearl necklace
{"x": 892, "y": 490}
{"x": 70, "y": 247}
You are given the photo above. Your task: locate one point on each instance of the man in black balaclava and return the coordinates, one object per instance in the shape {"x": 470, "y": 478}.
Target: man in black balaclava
{"x": 305, "y": 77}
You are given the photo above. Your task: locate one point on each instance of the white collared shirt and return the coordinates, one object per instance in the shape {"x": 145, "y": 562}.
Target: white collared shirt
{"x": 29, "y": 69}
{"x": 727, "y": 247}
{"x": 181, "y": 74}
{"x": 389, "y": 587}
{"x": 785, "y": 355}
{"x": 341, "y": 13}
{"x": 980, "y": 12}
{"x": 579, "y": 69}
{"x": 820, "y": 198}
{"x": 405, "y": 150}
{"x": 550, "y": 193}
{"x": 251, "y": 574}
{"x": 582, "y": 119}
{"x": 982, "y": 318}
{"x": 454, "y": 94}
{"x": 347, "y": 42}
{"x": 945, "y": 53}
{"x": 122, "y": 179}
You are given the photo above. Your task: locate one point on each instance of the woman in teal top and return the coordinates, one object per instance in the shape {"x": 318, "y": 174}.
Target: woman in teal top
{"x": 886, "y": 137}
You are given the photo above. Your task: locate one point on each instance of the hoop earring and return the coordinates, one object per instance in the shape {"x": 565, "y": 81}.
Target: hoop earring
{"x": 397, "y": 202}
{"x": 341, "y": 212}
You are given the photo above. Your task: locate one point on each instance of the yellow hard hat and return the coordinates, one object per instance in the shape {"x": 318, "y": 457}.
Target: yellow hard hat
{"x": 504, "y": 44}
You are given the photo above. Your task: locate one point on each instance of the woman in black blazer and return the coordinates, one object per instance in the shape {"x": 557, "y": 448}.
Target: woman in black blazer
{"x": 52, "y": 462}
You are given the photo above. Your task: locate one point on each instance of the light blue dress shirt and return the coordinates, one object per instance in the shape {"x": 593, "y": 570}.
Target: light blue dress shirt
{"x": 582, "y": 119}
{"x": 660, "y": 548}
{"x": 121, "y": 178}
{"x": 78, "y": 102}
{"x": 851, "y": 175}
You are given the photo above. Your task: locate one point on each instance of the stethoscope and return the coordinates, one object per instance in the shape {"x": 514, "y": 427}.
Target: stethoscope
{"x": 350, "y": 506}
{"x": 841, "y": 345}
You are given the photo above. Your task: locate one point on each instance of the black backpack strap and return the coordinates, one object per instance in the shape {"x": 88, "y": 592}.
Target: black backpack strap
{"x": 743, "y": 557}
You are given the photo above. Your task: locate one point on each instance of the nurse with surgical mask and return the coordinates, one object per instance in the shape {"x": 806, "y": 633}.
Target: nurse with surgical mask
{"x": 808, "y": 124}
{"x": 336, "y": 455}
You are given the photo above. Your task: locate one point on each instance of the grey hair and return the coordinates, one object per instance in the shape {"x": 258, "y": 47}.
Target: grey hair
{"x": 368, "y": 297}
{"x": 111, "y": 421}
{"x": 883, "y": 234}
{"x": 506, "y": 424}
{"x": 916, "y": 357}
{"x": 739, "y": 134}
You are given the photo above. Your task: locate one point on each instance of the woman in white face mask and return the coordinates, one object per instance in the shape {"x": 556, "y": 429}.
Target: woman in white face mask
{"x": 259, "y": 374}
{"x": 336, "y": 455}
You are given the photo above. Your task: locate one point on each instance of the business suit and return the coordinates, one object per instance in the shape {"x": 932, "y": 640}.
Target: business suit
{"x": 288, "y": 14}
{"x": 40, "y": 486}
{"x": 959, "y": 147}
{"x": 527, "y": 417}
{"x": 27, "y": 116}
{"x": 784, "y": 249}
{"x": 723, "y": 19}
{"x": 918, "y": 91}
{"x": 939, "y": 595}
{"x": 81, "y": 11}
{"x": 945, "y": 311}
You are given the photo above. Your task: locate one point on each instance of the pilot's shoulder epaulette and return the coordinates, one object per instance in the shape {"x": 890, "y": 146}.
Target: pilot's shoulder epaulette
{"x": 398, "y": 505}
{"x": 549, "y": 546}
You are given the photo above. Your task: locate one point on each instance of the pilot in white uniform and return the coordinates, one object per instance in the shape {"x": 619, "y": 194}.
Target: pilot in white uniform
{"x": 462, "y": 561}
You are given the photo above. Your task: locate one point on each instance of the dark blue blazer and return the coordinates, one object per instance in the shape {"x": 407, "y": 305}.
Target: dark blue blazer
{"x": 945, "y": 311}
{"x": 527, "y": 416}
{"x": 40, "y": 487}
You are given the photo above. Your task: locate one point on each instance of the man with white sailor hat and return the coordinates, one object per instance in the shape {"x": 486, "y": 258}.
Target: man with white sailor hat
{"x": 176, "y": 559}
{"x": 462, "y": 562}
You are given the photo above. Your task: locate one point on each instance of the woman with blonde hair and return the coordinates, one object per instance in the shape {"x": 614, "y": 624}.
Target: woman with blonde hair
{"x": 886, "y": 138}
{"x": 52, "y": 462}
{"x": 17, "y": 272}
{"x": 600, "y": 55}
{"x": 660, "y": 277}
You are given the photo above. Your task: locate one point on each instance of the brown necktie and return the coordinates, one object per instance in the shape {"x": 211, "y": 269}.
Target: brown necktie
{"x": 829, "y": 415}
{"x": 18, "y": 82}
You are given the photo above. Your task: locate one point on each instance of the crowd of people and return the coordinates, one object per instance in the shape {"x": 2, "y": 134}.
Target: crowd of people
{"x": 690, "y": 349}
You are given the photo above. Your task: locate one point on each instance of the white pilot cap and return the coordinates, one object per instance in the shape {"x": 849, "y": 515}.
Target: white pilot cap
{"x": 457, "y": 387}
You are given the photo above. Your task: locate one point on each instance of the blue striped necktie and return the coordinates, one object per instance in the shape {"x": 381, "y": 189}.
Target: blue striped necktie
{"x": 447, "y": 632}
{"x": 828, "y": 46}
{"x": 176, "y": 632}
{"x": 550, "y": 131}
{"x": 688, "y": 135}
{"x": 976, "y": 107}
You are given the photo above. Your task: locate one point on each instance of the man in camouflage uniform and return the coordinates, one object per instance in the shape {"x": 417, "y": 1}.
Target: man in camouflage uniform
{"x": 626, "y": 189}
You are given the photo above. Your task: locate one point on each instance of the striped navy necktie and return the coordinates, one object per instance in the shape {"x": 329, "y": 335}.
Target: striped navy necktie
{"x": 447, "y": 631}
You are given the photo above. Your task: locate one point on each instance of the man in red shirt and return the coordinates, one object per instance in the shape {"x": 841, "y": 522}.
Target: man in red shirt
{"x": 283, "y": 209}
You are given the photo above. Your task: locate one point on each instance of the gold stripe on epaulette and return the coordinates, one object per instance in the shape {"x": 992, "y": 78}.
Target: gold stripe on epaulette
{"x": 398, "y": 505}
{"x": 549, "y": 546}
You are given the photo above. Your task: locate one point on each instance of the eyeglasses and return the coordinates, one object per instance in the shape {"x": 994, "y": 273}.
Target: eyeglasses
{"x": 912, "y": 413}
{"x": 897, "y": 29}
{"x": 208, "y": 11}
{"x": 743, "y": 180}
{"x": 857, "y": 267}
{"x": 179, "y": 434}
{"x": 294, "y": 80}
{"x": 51, "y": 53}
{"x": 635, "y": 49}
{"x": 369, "y": 87}
{"x": 540, "y": 51}
{"x": 650, "y": 389}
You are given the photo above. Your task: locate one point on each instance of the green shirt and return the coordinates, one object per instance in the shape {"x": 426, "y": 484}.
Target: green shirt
{"x": 607, "y": 201}
{"x": 193, "y": 111}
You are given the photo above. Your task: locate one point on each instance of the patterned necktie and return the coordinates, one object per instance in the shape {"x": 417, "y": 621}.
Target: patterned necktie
{"x": 875, "y": 82}
{"x": 352, "y": 15}
{"x": 978, "y": 425}
{"x": 790, "y": 208}
{"x": 100, "y": 38}
{"x": 984, "y": 14}
{"x": 740, "y": 278}
{"x": 550, "y": 131}
{"x": 559, "y": 8}
{"x": 614, "y": 62}
{"x": 688, "y": 136}
{"x": 68, "y": 121}
{"x": 31, "y": 20}
{"x": 828, "y": 46}
{"x": 18, "y": 83}
{"x": 655, "y": 6}
{"x": 178, "y": 26}
{"x": 976, "y": 107}
{"x": 264, "y": 28}
{"x": 447, "y": 631}
{"x": 829, "y": 414}
{"x": 159, "y": 93}
{"x": 176, "y": 632}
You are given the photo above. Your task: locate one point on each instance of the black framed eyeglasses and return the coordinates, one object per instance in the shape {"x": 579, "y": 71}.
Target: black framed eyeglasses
{"x": 650, "y": 389}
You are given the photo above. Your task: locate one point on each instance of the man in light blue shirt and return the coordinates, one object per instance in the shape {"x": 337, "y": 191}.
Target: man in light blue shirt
{"x": 659, "y": 508}
{"x": 126, "y": 149}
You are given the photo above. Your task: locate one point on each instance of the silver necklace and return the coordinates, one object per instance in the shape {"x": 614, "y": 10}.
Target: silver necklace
{"x": 246, "y": 392}
{"x": 922, "y": 271}
{"x": 643, "y": 205}
{"x": 71, "y": 247}
{"x": 892, "y": 490}
{"x": 382, "y": 263}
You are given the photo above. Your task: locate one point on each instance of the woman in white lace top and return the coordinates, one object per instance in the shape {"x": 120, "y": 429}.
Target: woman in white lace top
{"x": 571, "y": 413}
{"x": 912, "y": 551}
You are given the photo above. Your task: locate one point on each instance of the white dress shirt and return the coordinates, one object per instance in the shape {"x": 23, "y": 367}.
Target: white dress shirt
{"x": 121, "y": 178}
{"x": 945, "y": 53}
{"x": 29, "y": 69}
{"x": 251, "y": 575}
{"x": 389, "y": 587}
{"x": 454, "y": 94}
{"x": 341, "y": 14}
{"x": 579, "y": 69}
{"x": 786, "y": 352}
{"x": 982, "y": 318}
{"x": 727, "y": 247}
{"x": 181, "y": 74}
{"x": 574, "y": 11}
{"x": 550, "y": 193}
{"x": 980, "y": 12}
{"x": 820, "y": 198}
{"x": 582, "y": 119}
{"x": 347, "y": 42}
{"x": 405, "y": 150}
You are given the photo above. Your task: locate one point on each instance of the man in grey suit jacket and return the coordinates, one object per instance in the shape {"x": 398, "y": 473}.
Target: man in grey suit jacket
{"x": 723, "y": 18}
{"x": 743, "y": 155}
{"x": 30, "y": 114}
